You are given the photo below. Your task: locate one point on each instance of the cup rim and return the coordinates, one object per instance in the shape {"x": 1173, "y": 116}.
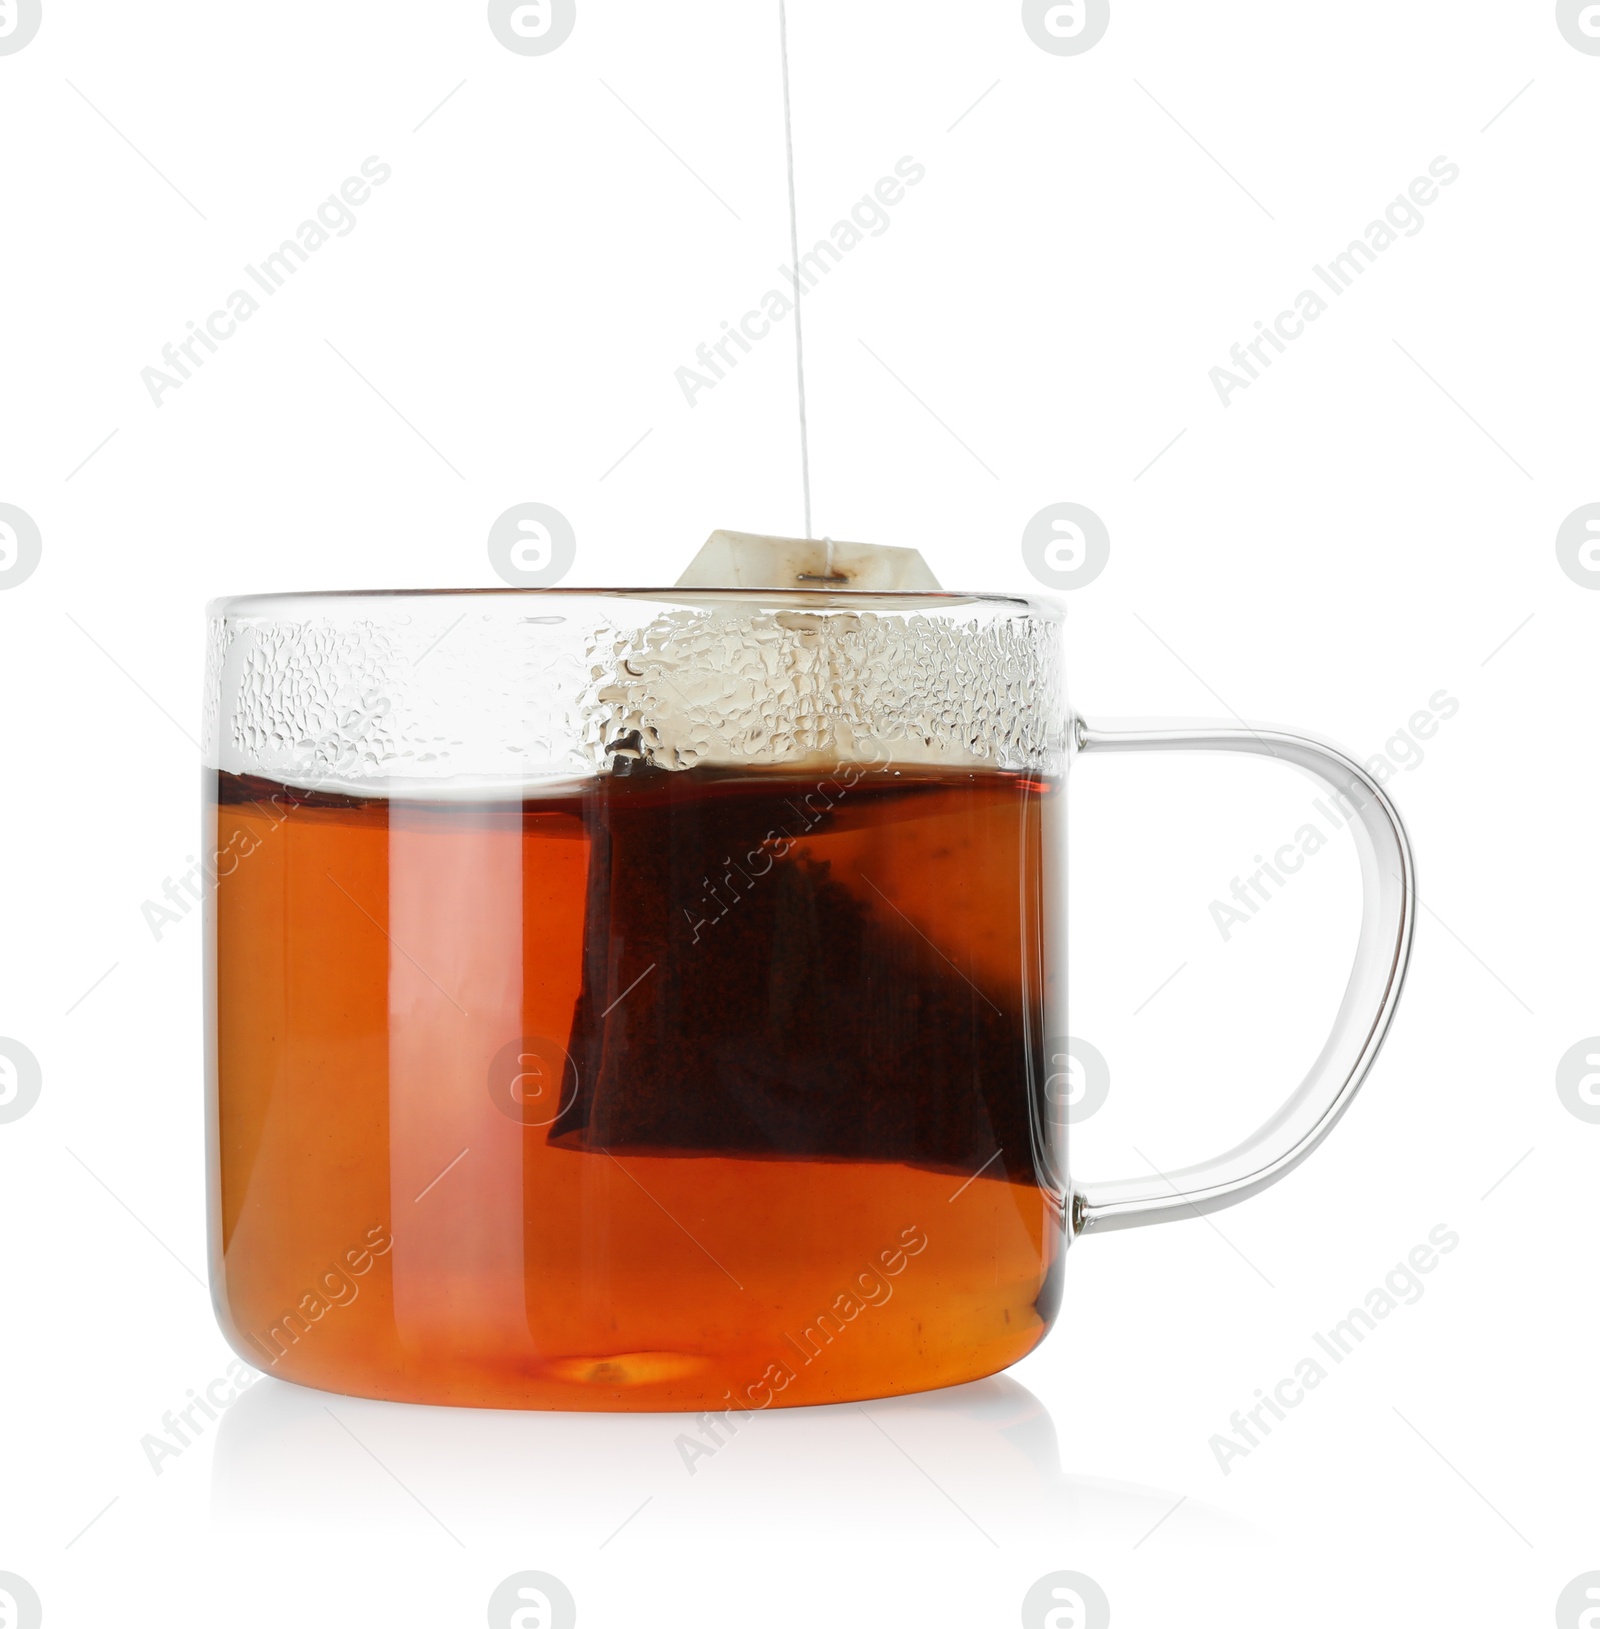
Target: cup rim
{"x": 829, "y": 599}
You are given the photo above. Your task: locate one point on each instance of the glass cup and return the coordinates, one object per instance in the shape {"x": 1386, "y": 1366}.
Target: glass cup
{"x": 654, "y": 999}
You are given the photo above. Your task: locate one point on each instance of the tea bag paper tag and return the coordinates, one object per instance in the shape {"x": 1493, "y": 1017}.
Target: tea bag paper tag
{"x": 750, "y": 560}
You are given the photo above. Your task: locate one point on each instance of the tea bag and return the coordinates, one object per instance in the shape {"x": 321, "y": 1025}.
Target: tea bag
{"x": 749, "y": 560}
{"x": 737, "y": 997}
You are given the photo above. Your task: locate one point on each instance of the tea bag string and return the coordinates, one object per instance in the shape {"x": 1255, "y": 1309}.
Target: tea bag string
{"x": 794, "y": 248}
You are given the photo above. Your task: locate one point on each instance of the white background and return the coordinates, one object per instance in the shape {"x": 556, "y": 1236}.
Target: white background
{"x": 1367, "y": 525}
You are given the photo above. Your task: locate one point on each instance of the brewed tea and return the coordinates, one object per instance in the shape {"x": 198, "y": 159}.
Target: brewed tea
{"x": 672, "y": 1089}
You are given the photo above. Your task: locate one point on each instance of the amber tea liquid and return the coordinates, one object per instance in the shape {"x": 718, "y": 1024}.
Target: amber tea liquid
{"x": 676, "y": 1090}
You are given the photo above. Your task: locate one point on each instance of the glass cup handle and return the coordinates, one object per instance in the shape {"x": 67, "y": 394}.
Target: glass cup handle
{"x": 1389, "y": 887}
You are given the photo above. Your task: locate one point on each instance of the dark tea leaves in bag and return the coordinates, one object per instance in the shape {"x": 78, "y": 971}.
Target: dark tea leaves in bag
{"x": 740, "y": 997}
